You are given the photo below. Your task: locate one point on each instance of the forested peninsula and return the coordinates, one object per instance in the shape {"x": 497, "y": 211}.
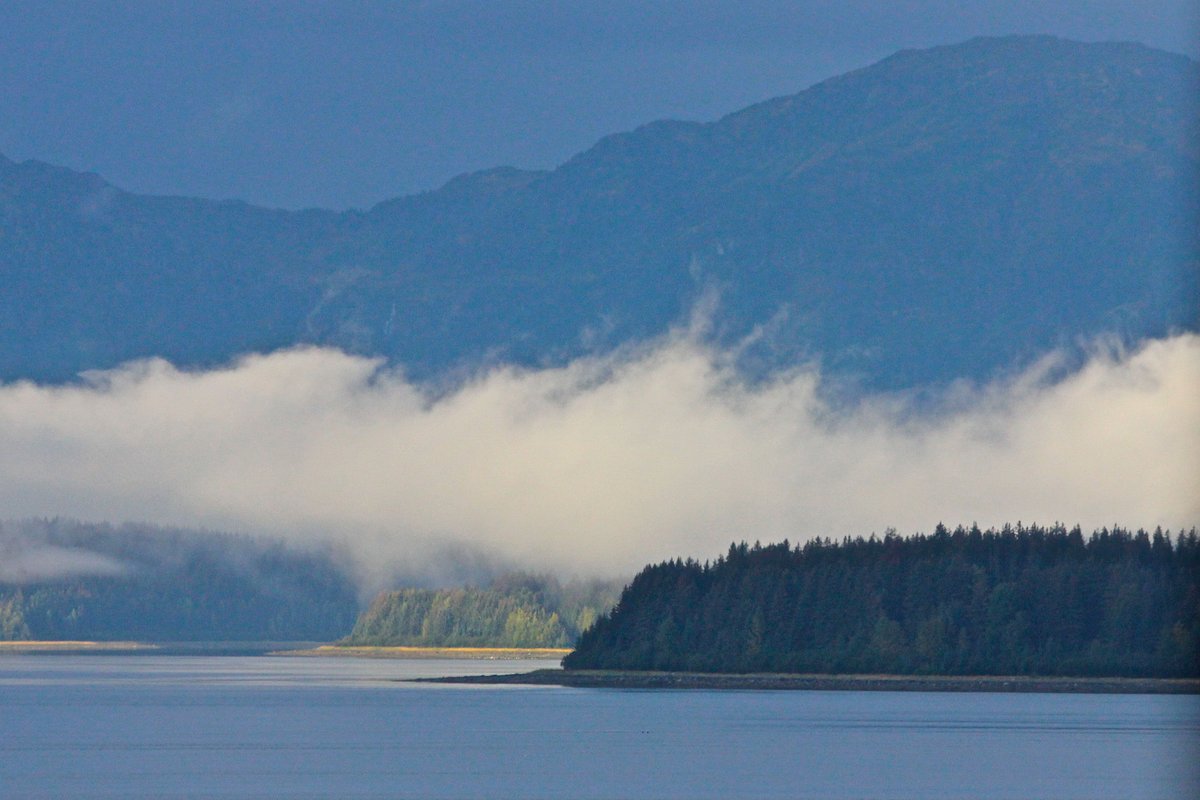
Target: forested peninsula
{"x": 1016, "y": 601}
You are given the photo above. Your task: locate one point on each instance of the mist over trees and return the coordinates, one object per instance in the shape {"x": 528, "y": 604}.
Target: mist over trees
{"x": 514, "y": 610}
{"x": 1019, "y": 601}
{"x": 69, "y": 580}
{"x": 65, "y": 580}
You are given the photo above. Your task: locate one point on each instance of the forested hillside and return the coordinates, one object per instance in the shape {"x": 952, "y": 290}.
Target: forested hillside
{"x": 943, "y": 213}
{"x": 515, "y": 610}
{"x": 68, "y": 580}
{"x": 1018, "y": 601}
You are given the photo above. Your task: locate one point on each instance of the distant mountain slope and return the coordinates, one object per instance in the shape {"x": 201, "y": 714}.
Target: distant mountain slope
{"x": 944, "y": 212}
{"x": 80, "y": 581}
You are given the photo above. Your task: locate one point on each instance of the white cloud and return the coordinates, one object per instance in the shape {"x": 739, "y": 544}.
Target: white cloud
{"x": 603, "y": 464}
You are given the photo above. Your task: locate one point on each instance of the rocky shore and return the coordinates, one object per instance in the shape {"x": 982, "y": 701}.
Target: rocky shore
{"x": 615, "y": 679}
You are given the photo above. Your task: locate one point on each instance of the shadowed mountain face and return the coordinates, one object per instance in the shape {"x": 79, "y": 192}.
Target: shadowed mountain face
{"x": 947, "y": 212}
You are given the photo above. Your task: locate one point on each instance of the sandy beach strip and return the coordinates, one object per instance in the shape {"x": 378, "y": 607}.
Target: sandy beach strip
{"x": 27, "y": 646}
{"x": 478, "y": 653}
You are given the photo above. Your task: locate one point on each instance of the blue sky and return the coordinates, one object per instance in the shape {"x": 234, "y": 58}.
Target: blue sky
{"x": 346, "y": 104}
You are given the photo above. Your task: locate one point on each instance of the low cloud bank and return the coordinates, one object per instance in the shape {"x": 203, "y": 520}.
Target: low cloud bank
{"x": 23, "y": 559}
{"x": 36, "y": 565}
{"x": 603, "y": 464}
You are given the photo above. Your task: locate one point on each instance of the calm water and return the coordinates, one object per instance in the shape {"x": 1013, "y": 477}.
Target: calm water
{"x": 263, "y": 727}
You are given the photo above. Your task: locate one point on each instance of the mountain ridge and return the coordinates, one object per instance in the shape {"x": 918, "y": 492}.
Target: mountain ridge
{"x": 895, "y": 220}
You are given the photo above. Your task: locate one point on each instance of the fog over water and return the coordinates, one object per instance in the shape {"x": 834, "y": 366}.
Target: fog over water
{"x": 604, "y": 463}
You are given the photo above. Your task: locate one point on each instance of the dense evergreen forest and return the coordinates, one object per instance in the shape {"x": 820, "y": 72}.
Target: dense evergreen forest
{"x": 514, "y": 610}
{"x": 69, "y": 580}
{"x": 1019, "y": 601}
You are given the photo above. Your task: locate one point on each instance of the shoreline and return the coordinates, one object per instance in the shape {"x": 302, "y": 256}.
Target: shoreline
{"x": 620, "y": 679}
{"x": 257, "y": 648}
{"x": 466, "y": 653}
{"x": 71, "y": 646}
{"x": 136, "y": 648}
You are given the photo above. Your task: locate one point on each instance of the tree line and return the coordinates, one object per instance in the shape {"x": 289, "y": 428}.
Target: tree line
{"x": 1015, "y": 601}
{"x": 514, "y": 610}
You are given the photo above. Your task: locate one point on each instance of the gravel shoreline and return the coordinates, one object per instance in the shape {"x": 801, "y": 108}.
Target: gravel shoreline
{"x": 613, "y": 679}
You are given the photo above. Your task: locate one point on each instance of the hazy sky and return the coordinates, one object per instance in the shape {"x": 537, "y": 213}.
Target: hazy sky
{"x": 344, "y": 104}
{"x": 598, "y": 465}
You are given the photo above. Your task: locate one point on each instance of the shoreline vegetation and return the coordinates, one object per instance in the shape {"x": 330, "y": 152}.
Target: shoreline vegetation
{"x": 1022, "y": 600}
{"x": 516, "y": 610}
{"x": 475, "y": 653}
{"x": 635, "y": 679}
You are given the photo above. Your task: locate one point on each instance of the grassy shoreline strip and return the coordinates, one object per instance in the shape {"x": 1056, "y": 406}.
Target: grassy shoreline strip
{"x": 477, "y": 653}
{"x": 616, "y": 679}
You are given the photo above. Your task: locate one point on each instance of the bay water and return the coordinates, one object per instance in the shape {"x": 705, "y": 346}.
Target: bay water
{"x": 149, "y": 726}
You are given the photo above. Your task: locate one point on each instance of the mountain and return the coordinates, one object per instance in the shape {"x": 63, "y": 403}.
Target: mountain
{"x": 943, "y": 213}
